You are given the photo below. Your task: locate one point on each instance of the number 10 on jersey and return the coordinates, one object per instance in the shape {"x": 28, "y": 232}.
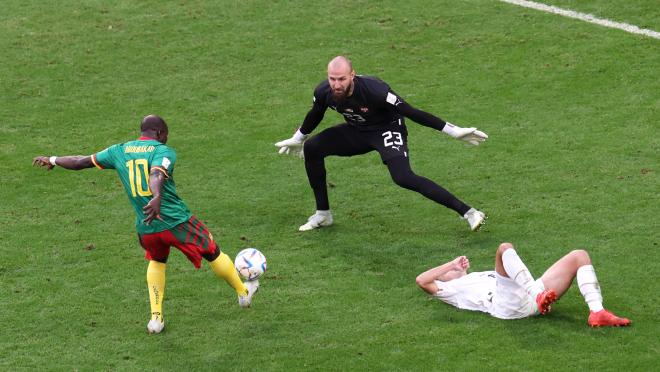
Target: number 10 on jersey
{"x": 138, "y": 176}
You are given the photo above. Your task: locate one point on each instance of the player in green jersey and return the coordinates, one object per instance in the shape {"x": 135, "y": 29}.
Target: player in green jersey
{"x": 146, "y": 170}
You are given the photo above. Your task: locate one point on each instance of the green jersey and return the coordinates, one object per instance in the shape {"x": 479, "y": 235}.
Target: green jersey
{"x": 133, "y": 162}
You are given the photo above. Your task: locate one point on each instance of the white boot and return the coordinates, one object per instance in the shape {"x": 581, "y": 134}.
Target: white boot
{"x": 475, "y": 218}
{"x": 252, "y": 287}
{"x": 318, "y": 219}
{"x": 155, "y": 325}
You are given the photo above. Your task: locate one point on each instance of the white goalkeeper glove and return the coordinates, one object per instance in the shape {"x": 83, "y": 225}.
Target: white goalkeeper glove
{"x": 293, "y": 145}
{"x": 470, "y": 135}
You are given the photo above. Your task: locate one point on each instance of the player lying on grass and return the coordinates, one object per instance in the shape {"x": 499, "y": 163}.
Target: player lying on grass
{"x": 374, "y": 121}
{"x": 510, "y": 292}
{"x": 146, "y": 169}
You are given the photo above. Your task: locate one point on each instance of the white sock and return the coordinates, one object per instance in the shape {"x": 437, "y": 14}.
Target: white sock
{"x": 589, "y": 287}
{"x": 323, "y": 213}
{"x": 519, "y": 273}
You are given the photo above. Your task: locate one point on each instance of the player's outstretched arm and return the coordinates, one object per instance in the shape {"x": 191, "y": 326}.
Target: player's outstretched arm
{"x": 75, "y": 162}
{"x": 294, "y": 145}
{"x": 472, "y": 136}
{"x": 448, "y": 271}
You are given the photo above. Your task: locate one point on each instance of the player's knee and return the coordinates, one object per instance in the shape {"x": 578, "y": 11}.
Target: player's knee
{"x": 211, "y": 256}
{"x": 503, "y": 247}
{"x": 581, "y": 256}
{"x": 404, "y": 179}
{"x": 311, "y": 147}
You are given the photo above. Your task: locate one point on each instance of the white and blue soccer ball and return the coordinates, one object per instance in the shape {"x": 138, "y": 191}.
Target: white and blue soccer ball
{"x": 250, "y": 263}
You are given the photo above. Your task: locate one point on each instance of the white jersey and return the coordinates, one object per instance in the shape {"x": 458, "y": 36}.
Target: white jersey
{"x": 488, "y": 292}
{"x": 473, "y": 291}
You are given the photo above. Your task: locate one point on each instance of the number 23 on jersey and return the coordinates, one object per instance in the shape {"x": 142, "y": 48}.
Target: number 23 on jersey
{"x": 387, "y": 138}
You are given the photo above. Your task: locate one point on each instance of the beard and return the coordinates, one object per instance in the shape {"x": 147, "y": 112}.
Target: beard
{"x": 341, "y": 94}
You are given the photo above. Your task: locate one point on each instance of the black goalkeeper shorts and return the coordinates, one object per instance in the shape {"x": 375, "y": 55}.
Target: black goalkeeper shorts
{"x": 347, "y": 140}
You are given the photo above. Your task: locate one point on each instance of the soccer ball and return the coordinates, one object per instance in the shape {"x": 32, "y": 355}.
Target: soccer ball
{"x": 250, "y": 263}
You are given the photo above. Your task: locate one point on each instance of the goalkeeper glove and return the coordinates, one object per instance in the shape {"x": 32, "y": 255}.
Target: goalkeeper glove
{"x": 469, "y": 135}
{"x": 293, "y": 145}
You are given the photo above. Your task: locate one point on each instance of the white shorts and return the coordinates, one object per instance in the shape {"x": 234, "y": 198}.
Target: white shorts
{"x": 511, "y": 301}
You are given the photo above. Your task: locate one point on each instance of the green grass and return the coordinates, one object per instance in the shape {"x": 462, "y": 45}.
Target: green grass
{"x": 572, "y": 162}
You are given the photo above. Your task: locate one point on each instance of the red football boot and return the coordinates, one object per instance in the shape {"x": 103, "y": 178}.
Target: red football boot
{"x": 604, "y": 318}
{"x": 544, "y": 300}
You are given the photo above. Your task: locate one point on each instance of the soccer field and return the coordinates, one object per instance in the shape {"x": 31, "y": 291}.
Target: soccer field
{"x": 572, "y": 110}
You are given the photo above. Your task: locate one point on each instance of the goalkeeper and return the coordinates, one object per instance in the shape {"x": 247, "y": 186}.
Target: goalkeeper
{"x": 375, "y": 120}
{"x": 146, "y": 169}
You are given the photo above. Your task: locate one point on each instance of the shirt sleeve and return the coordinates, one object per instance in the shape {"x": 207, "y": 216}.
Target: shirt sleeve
{"x": 446, "y": 292}
{"x": 316, "y": 113}
{"x": 163, "y": 160}
{"x": 104, "y": 159}
{"x": 393, "y": 99}
{"x": 419, "y": 116}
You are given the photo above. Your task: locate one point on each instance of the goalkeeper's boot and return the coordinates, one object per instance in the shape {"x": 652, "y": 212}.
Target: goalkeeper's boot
{"x": 155, "y": 325}
{"x": 605, "y": 318}
{"x": 318, "y": 219}
{"x": 252, "y": 287}
{"x": 544, "y": 300}
{"x": 475, "y": 219}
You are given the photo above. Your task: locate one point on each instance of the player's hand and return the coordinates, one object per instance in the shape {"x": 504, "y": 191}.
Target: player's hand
{"x": 152, "y": 210}
{"x": 293, "y": 145}
{"x": 461, "y": 263}
{"x": 473, "y": 136}
{"x": 470, "y": 135}
{"x": 42, "y": 161}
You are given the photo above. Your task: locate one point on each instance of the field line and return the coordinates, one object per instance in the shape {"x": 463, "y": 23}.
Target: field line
{"x": 585, "y": 17}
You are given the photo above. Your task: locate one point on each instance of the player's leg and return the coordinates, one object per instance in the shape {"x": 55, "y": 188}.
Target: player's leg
{"x": 340, "y": 140}
{"x": 157, "y": 252}
{"x": 508, "y": 264}
{"x": 577, "y": 264}
{"x": 223, "y": 267}
{"x": 156, "y": 285}
{"x": 560, "y": 275}
{"x": 194, "y": 240}
{"x": 393, "y": 148}
{"x": 403, "y": 176}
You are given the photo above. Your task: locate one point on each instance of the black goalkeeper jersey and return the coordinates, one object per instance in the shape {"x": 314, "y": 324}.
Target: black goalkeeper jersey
{"x": 372, "y": 106}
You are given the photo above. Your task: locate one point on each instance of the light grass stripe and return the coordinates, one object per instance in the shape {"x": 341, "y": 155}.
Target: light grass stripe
{"x": 585, "y": 17}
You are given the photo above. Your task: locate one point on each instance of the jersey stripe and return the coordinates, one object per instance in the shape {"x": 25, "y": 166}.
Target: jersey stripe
{"x": 96, "y": 164}
{"x": 161, "y": 169}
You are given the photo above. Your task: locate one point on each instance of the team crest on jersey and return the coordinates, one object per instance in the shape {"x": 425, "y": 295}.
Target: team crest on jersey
{"x": 364, "y": 109}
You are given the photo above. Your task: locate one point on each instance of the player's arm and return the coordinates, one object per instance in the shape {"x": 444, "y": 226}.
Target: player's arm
{"x": 74, "y": 162}
{"x": 294, "y": 145}
{"x": 312, "y": 119}
{"x": 448, "y": 271}
{"x": 151, "y": 211}
{"x": 419, "y": 116}
{"x": 470, "y": 135}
